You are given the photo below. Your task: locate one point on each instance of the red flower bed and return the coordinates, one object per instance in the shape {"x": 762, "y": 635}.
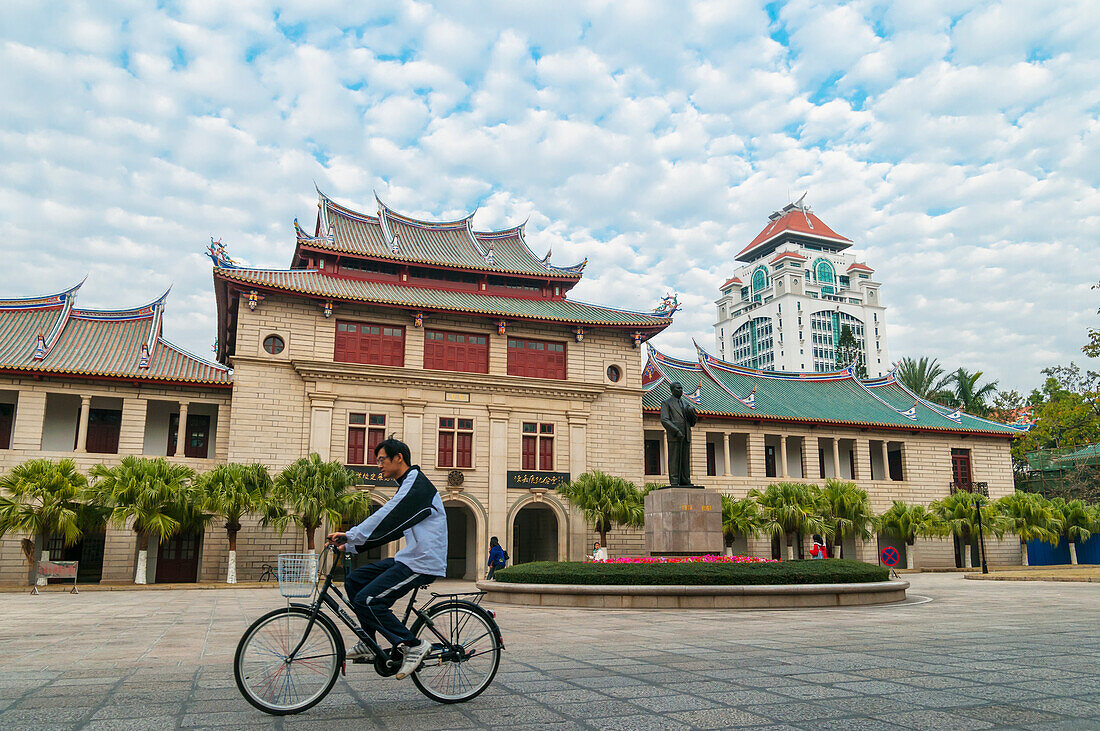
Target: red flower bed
{"x": 689, "y": 559}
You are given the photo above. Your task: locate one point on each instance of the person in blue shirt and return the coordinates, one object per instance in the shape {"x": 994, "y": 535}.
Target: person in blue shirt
{"x": 415, "y": 512}
{"x": 498, "y": 557}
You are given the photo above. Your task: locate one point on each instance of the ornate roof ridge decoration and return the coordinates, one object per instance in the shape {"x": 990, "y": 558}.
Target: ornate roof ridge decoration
{"x": 395, "y": 236}
{"x": 958, "y": 414}
{"x": 668, "y": 306}
{"x": 704, "y": 356}
{"x": 220, "y": 255}
{"x": 47, "y": 300}
{"x": 304, "y": 238}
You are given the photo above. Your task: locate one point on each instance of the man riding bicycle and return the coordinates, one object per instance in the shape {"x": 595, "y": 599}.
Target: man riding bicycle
{"x": 416, "y": 512}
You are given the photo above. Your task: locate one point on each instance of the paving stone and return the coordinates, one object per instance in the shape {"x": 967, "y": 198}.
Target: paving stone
{"x": 719, "y": 718}
{"x": 938, "y": 721}
{"x": 1008, "y": 715}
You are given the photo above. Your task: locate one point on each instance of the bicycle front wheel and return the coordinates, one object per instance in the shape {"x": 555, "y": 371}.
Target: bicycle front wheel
{"x": 461, "y": 672}
{"x": 270, "y": 679}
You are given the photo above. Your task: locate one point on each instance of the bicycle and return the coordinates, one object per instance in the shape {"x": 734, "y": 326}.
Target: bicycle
{"x": 288, "y": 660}
{"x": 268, "y": 573}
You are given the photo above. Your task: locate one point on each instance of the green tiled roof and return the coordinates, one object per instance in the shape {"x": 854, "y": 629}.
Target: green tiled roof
{"x": 723, "y": 389}
{"x": 390, "y": 235}
{"x": 318, "y": 284}
{"x": 101, "y": 343}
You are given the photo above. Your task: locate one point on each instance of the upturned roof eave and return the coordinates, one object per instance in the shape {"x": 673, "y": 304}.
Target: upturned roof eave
{"x": 117, "y": 377}
{"x": 651, "y": 328}
{"x": 839, "y": 422}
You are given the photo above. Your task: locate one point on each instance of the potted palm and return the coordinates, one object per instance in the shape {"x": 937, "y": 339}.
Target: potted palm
{"x": 316, "y": 492}
{"x": 789, "y": 509}
{"x": 235, "y": 491}
{"x": 906, "y": 522}
{"x": 740, "y": 518}
{"x": 847, "y": 509}
{"x": 606, "y": 501}
{"x": 1032, "y": 518}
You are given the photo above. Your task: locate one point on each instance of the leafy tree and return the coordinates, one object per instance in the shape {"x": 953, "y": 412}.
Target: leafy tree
{"x": 1004, "y": 405}
{"x": 316, "y": 491}
{"x": 739, "y": 518}
{"x": 1066, "y": 411}
{"x": 1092, "y": 347}
{"x": 848, "y": 511}
{"x": 848, "y": 352}
{"x": 42, "y": 498}
{"x": 1079, "y": 521}
{"x": 959, "y": 514}
{"x": 926, "y": 378}
{"x": 606, "y": 501}
{"x": 970, "y": 395}
{"x": 1031, "y": 517}
{"x": 234, "y": 491}
{"x": 789, "y": 509}
{"x": 155, "y": 495}
{"x": 907, "y": 522}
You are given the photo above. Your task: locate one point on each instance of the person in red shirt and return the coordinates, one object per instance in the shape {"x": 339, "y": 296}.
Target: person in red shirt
{"x": 818, "y": 549}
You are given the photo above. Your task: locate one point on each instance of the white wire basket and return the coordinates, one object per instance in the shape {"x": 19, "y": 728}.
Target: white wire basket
{"x": 297, "y": 574}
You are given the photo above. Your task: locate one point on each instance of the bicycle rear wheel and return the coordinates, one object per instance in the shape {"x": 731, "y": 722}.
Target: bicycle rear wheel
{"x": 272, "y": 682}
{"x": 448, "y": 676}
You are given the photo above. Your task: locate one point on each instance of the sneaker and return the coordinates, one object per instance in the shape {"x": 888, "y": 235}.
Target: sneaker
{"x": 414, "y": 655}
{"x": 361, "y": 653}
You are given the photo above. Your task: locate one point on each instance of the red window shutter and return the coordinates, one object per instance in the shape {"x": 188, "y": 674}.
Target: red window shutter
{"x": 357, "y": 439}
{"x": 529, "y": 446}
{"x": 465, "y": 456}
{"x": 546, "y": 454}
{"x": 446, "y": 449}
{"x": 376, "y": 437}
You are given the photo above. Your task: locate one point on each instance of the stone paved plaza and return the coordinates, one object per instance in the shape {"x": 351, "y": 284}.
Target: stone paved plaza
{"x": 958, "y": 654}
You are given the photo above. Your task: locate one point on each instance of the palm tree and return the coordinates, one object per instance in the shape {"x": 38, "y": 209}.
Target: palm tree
{"x": 1079, "y": 521}
{"x": 43, "y": 498}
{"x": 925, "y": 377}
{"x": 1031, "y": 517}
{"x": 906, "y": 522}
{"x": 155, "y": 494}
{"x": 234, "y": 491}
{"x": 969, "y": 396}
{"x": 739, "y": 518}
{"x": 787, "y": 509}
{"x": 847, "y": 509}
{"x": 606, "y": 501}
{"x": 959, "y": 514}
{"x": 317, "y": 491}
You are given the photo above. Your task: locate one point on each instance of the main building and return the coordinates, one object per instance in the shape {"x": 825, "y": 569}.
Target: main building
{"x": 466, "y": 345}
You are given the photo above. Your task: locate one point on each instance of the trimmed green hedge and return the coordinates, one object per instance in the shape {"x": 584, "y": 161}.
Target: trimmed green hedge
{"x": 821, "y": 571}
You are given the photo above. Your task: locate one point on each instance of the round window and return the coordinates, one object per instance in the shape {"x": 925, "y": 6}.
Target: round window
{"x": 614, "y": 373}
{"x": 274, "y": 344}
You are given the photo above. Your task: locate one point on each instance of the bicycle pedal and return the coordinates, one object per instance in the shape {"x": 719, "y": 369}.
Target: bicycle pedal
{"x": 363, "y": 660}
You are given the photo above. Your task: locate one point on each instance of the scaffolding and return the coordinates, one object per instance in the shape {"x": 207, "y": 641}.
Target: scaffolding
{"x": 1072, "y": 473}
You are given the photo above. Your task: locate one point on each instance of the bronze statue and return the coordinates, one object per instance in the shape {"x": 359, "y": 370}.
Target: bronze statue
{"x": 677, "y": 417}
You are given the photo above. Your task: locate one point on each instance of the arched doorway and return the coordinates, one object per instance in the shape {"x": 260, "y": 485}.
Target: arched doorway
{"x": 461, "y": 542}
{"x": 535, "y": 534}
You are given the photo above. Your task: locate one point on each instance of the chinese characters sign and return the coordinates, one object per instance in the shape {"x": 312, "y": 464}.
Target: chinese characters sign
{"x": 529, "y": 478}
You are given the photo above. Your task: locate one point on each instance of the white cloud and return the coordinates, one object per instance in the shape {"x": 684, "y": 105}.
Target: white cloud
{"x": 955, "y": 142}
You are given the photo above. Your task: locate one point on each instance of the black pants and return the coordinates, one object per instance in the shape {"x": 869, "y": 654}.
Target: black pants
{"x": 679, "y": 462}
{"x": 372, "y": 590}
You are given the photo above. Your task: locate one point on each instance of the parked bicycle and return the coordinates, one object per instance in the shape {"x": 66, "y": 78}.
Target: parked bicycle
{"x": 290, "y": 658}
{"x": 268, "y": 573}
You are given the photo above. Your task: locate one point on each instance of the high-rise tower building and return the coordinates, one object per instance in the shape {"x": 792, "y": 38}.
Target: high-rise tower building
{"x": 786, "y": 307}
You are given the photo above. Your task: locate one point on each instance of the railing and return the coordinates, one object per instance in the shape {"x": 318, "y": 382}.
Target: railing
{"x": 981, "y": 488}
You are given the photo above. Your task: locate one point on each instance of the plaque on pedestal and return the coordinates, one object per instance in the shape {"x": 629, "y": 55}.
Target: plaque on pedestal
{"x": 683, "y": 521}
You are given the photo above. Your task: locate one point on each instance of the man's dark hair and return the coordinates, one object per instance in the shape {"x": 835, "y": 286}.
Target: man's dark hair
{"x": 393, "y": 447}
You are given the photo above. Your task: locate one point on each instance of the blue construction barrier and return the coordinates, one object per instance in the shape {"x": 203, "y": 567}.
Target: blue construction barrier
{"x": 1041, "y": 553}
{"x": 1089, "y": 551}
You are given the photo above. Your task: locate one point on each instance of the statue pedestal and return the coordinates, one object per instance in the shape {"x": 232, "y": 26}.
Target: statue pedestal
{"x": 683, "y": 521}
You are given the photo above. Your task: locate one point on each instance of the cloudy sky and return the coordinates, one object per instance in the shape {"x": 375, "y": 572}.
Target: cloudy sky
{"x": 957, "y": 143}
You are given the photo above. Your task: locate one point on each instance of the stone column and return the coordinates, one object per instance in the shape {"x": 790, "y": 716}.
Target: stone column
{"x": 498, "y": 471}
{"x": 726, "y": 454}
{"x": 783, "y": 455}
{"x": 181, "y": 432}
{"x": 861, "y": 458}
{"x": 836, "y": 457}
{"x": 82, "y": 428}
{"x": 414, "y": 429}
{"x": 320, "y": 425}
{"x": 754, "y": 450}
{"x": 811, "y": 469}
{"x": 663, "y": 441}
{"x": 885, "y": 462}
{"x": 573, "y": 546}
{"x": 30, "y": 413}
{"x": 221, "y": 432}
{"x": 131, "y": 435}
